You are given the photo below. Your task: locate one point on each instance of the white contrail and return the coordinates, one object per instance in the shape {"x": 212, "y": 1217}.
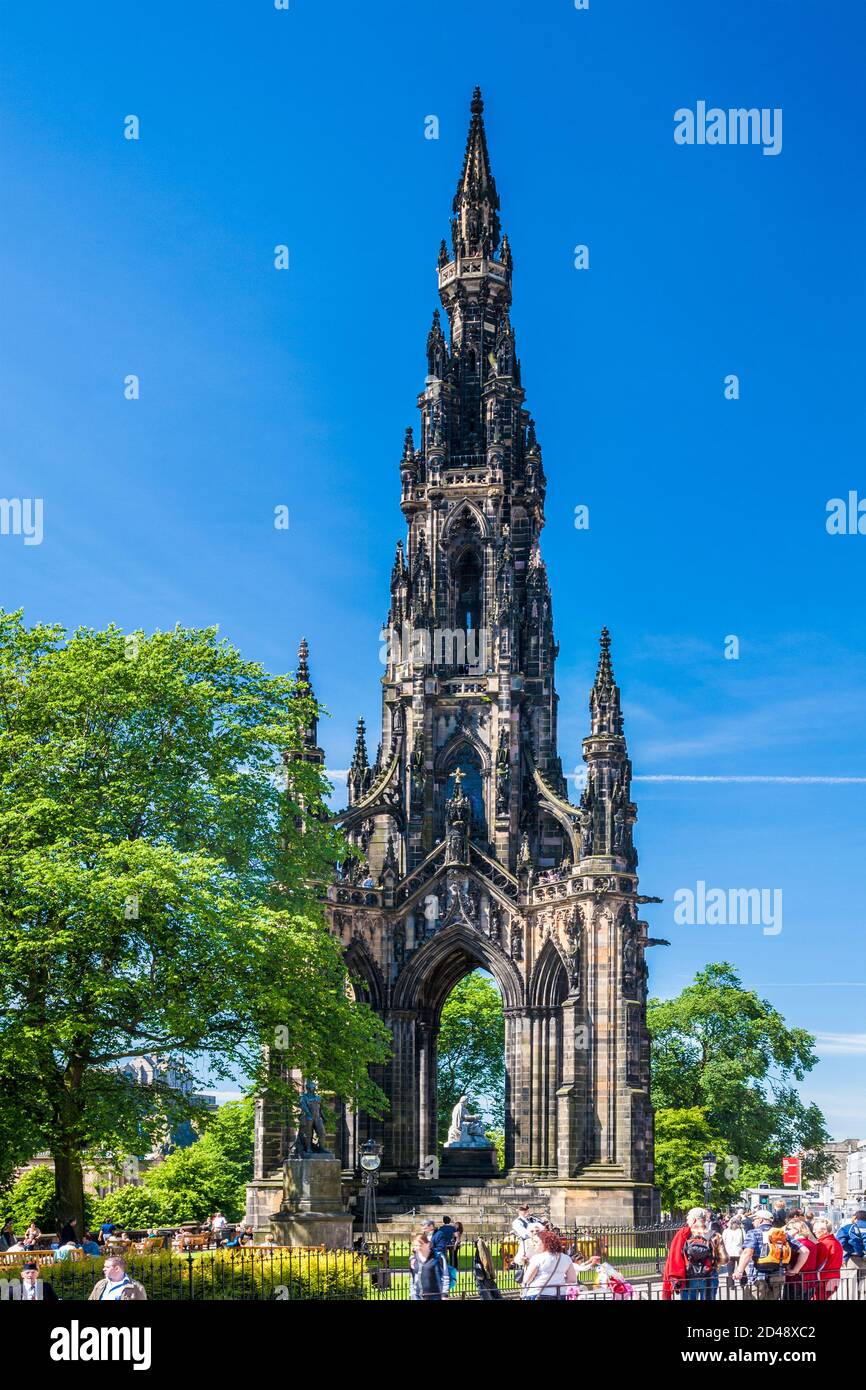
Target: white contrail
{"x": 671, "y": 777}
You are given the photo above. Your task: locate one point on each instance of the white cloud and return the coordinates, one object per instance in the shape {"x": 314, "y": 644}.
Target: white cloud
{"x": 842, "y": 1044}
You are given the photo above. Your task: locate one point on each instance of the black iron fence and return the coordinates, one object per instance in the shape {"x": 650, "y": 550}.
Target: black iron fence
{"x": 381, "y": 1271}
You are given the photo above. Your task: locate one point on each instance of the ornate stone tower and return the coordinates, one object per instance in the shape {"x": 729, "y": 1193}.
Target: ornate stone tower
{"x": 470, "y": 852}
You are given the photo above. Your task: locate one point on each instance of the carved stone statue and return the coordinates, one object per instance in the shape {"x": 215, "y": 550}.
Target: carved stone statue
{"x": 399, "y": 944}
{"x": 503, "y": 775}
{"x": 466, "y": 1131}
{"x": 309, "y": 1123}
{"x": 494, "y": 923}
{"x": 517, "y": 942}
{"x": 461, "y": 902}
{"x": 458, "y": 820}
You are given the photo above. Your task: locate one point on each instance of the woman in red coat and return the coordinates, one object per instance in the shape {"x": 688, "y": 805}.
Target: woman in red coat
{"x": 830, "y": 1258}
{"x": 674, "y": 1274}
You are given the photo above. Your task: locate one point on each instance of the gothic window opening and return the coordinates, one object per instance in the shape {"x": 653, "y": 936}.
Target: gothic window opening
{"x": 468, "y": 591}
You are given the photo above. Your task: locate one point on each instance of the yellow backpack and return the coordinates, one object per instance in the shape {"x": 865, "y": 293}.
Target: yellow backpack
{"x": 775, "y": 1250}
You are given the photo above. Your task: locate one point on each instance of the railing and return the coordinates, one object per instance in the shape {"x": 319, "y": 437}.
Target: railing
{"x": 381, "y": 1271}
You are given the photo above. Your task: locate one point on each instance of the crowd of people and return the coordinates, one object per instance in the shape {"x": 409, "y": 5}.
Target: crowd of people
{"x": 216, "y": 1231}
{"x": 769, "y": 1254}
{"x": 542, "y": 1263}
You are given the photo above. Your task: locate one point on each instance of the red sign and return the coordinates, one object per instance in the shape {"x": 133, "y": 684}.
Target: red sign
{"x": 790, "y": 1172}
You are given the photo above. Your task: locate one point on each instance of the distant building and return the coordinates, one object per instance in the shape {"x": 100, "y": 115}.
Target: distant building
{"x": 842, "y": 1191}
{"x": 857, "y": 1175}
{"x": 146, "y": 1071}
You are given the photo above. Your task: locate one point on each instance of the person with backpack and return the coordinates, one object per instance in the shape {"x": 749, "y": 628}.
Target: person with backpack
{"x": 701, "y": 1259}
{"x": 768, "y": 1251}
{"x": 431, "y": 1279}
{"x": 674, "y": 1274}
{"x": 852, "y": 1239}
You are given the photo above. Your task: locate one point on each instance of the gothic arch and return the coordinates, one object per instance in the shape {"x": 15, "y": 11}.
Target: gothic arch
{"x": 450, "y": 752}
{"x": 459, "y": 514}
{"x": 364, "y": 970}
{"x": 548, "y": 984}
{"x": 442, "y": 962}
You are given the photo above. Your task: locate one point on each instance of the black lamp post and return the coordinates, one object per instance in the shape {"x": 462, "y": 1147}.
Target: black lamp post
{"x": 371, "y": 1162}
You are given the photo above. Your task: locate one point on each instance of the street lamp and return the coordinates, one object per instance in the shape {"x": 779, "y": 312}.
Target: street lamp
{"x": 709, "y": 1170}
{"x": 371, "y": 1162}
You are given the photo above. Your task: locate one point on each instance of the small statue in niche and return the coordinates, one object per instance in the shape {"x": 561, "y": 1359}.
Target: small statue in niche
{"x": 458, "y": 820}
{"x": 517, "y": 942}
{"x": 494, "y": 923}
{"x": 399, "y": 944}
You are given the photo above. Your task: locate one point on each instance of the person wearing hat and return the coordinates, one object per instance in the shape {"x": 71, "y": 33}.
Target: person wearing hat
{"x": 523, "y": 1226}
{"x": 762, "y": 1266}
{"x": 33, "y": 1289}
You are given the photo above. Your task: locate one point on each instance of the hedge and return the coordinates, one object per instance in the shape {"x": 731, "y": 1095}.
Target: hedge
{"x": 221, "y": 1274}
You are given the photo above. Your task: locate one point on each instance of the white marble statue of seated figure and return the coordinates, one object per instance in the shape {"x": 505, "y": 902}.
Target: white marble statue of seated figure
{"x": 466, "y": 1131}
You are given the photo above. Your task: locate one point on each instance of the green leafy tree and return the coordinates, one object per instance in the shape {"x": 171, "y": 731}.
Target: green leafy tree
{"x": 471, "y": 1055}
{"x": 720, "y": 1049}
{"x": 32, "y": 1198}
{"x": 192, "y": 1183}
{"x": 132, "y": 1208}
{"x": 160, "y": 845}
{"x": 682, "y": 1139}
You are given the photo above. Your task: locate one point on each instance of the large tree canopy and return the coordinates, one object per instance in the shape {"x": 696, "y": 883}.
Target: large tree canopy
{"x": 160, "y": 843}
{"x": 722, "y": 1052}
{"x": 471, "y": 1055}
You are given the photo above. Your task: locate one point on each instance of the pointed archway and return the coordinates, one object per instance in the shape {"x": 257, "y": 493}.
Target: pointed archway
{"x": 419, "y": 995}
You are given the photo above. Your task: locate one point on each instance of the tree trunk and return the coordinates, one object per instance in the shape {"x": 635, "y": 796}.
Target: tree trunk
{"x": 68, "y": 1188}
{"x": 66, "y": 1149}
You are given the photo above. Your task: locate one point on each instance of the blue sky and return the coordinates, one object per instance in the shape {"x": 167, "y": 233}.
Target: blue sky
{"x": 261, "y": 388}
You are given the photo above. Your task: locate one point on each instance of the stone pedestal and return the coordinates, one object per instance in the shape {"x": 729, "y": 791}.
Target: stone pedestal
{"x": 264, "y": 1200}
{"x": 601, "y": 1197}
{"x": 312, "y": 1210}
{"x": 468, "y": 1163}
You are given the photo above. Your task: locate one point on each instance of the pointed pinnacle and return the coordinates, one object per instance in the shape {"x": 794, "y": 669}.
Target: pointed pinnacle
{"x": 604, "y": 675}
{"x": 303, "y": 671}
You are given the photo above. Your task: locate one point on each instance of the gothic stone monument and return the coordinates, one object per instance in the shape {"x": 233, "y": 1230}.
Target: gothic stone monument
{"x": 475, "y": 853}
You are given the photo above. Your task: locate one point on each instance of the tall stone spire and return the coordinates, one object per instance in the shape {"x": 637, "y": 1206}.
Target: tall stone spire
{"x": 604, "y": 701}
{"x": 311, "y": 751}
{"x": 473, "y": 277}
{"x": 608, "y": 814}
{"x": 475, "y": 226}
{"x": 302, "y": 674}
{"x": 359, "y": 771}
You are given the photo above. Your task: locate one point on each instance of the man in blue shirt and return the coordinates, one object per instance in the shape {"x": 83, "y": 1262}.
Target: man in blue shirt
{"x": 443, "y": 1238}
{"x": 768, "y": 1280}
{"x": 852, "y": 1238}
